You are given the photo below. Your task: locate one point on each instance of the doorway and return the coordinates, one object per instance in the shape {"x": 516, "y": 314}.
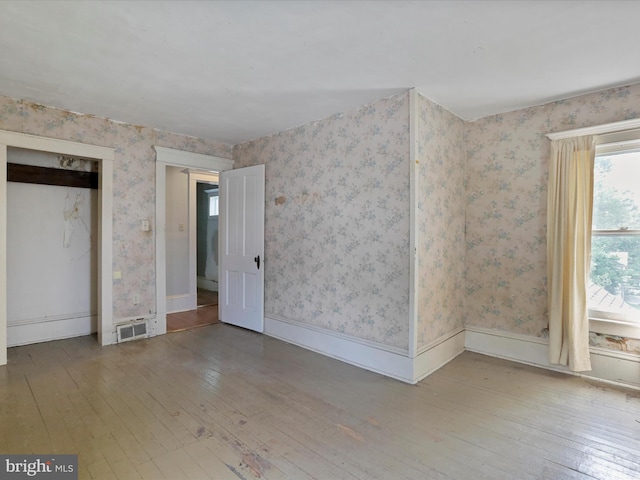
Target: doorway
{"x": 192, "y": 196}
{"x": 104, "y": 156}
{"x": 241, "y": 205}
{"x": 196, "y": 168}
{"x": 52, "y": 231}
{"x": 207, "y": 210}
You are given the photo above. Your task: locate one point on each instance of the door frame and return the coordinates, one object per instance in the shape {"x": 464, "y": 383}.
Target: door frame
{"x": 169, "y": 157}
{"x": 105, "y": 157}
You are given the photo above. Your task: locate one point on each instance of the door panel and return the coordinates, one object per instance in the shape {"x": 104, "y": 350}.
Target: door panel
{"x": 241, "y": 242}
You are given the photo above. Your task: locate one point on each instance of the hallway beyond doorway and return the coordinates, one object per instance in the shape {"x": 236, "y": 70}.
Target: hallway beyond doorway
{"x": 205, "y": 314}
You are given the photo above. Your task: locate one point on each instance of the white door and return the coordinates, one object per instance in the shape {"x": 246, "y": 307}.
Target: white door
{"x": 241, "y": 247}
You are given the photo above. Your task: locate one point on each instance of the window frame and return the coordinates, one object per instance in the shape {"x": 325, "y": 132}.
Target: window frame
{"x": 217, "y": 203}
{"x": 610, "y": 323}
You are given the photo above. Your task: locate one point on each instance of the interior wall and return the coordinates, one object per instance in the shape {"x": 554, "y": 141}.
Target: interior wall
{"x": 133, "y": 184}
{"x": 337, "y": 221}
{"x": 440, "y": 222}
{"x": 202, "y": 202}
{"x": 52, "y": 267}
{"x": 177, "y": 233}
{"x": 506, "y": 175}
{"x": 337, "y": 224}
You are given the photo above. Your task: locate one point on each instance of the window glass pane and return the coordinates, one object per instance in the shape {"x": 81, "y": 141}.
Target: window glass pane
{"x": 614, "y": 287}
{"x": 213, "y": 206}
{"x": 615, "y": 275}
{"x": 616, "y": 196}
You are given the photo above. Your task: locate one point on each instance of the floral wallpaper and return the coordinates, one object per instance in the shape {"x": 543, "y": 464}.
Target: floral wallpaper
{"x": 337, "y": 212}
{"x": 506, "y": 177}
{"x": 440, "y": 221}
{"x": 134, "y": 186}
{"x": 337, "y": 221}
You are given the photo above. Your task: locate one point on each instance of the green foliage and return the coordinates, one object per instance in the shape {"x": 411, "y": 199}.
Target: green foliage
{"x": 607, "y": 269}
{"x": 614, "y": 210}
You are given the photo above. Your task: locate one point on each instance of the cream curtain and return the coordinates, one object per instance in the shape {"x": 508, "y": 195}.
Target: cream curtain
{"x": 569, "y": 208}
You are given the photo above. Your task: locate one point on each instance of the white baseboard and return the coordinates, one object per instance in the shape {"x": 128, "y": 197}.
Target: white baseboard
{"x": 25, "y": 333}
{"x": 181, "y": 303}
{"x": 208, "y": 284}
{"x": 159, "y": 324}
{"x": 390, "y": 361}
{"x": 378, "y": 358}
{"x": 607, "y": 365}
{"x": 438, "y": 353}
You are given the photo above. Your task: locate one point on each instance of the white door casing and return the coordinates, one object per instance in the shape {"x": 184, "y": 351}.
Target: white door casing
{"x": 241, "y": 247}
{"x": 178, "y": 158}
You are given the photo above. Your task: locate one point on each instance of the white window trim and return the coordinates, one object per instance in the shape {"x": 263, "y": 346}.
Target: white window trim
{"x": 597, "y": 129}
{"x": 610, "y": 143}
{"x": 618, "y": 328}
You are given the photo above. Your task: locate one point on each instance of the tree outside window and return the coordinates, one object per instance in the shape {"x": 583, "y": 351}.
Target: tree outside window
{"x": 615, "y": 248}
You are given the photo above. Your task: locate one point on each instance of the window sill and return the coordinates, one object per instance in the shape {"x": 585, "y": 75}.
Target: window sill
{"x": 618, "y": 328}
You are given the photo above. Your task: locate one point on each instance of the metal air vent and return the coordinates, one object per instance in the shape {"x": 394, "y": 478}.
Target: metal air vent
{"x": 132, "y": 331}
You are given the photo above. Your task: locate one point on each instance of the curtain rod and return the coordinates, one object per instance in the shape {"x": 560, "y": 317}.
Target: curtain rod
{"x": 596, "y": 129}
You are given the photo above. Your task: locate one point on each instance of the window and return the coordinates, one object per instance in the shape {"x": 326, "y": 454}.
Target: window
{"x": 614, "y": 287}
{"x": 213, "y": 205}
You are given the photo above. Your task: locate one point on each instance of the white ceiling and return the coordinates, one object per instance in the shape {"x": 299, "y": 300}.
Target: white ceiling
{"x": 236, "y": 70}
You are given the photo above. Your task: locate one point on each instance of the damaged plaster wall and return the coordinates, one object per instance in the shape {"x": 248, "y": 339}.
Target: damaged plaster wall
{"x": 52, "y": 254}
{"x": 133, "y": 185}
{"x": 614, "y": 342}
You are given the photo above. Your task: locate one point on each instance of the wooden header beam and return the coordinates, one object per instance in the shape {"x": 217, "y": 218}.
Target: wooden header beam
{"x": 51, "y": 176}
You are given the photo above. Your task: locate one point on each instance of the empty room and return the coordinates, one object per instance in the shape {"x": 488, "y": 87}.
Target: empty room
{"x": 319, "y": 239}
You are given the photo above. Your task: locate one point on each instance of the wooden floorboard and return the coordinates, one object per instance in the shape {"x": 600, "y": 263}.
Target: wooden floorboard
{"x": 201, "y": 316}
{"x": 220, "y": 402}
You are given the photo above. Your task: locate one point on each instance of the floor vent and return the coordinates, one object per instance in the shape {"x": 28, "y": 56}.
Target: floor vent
{"x": 131, "y": 331}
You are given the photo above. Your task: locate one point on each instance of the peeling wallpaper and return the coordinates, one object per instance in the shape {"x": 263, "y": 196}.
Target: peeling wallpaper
{"x": 506, "y": 176}
{"x": 440, "y": 221}
{"x": 337, "y": 221}
{"x": 134, "y": 185}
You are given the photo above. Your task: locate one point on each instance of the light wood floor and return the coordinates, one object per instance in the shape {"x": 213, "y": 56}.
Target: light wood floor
{"x": 224, "y": 403}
